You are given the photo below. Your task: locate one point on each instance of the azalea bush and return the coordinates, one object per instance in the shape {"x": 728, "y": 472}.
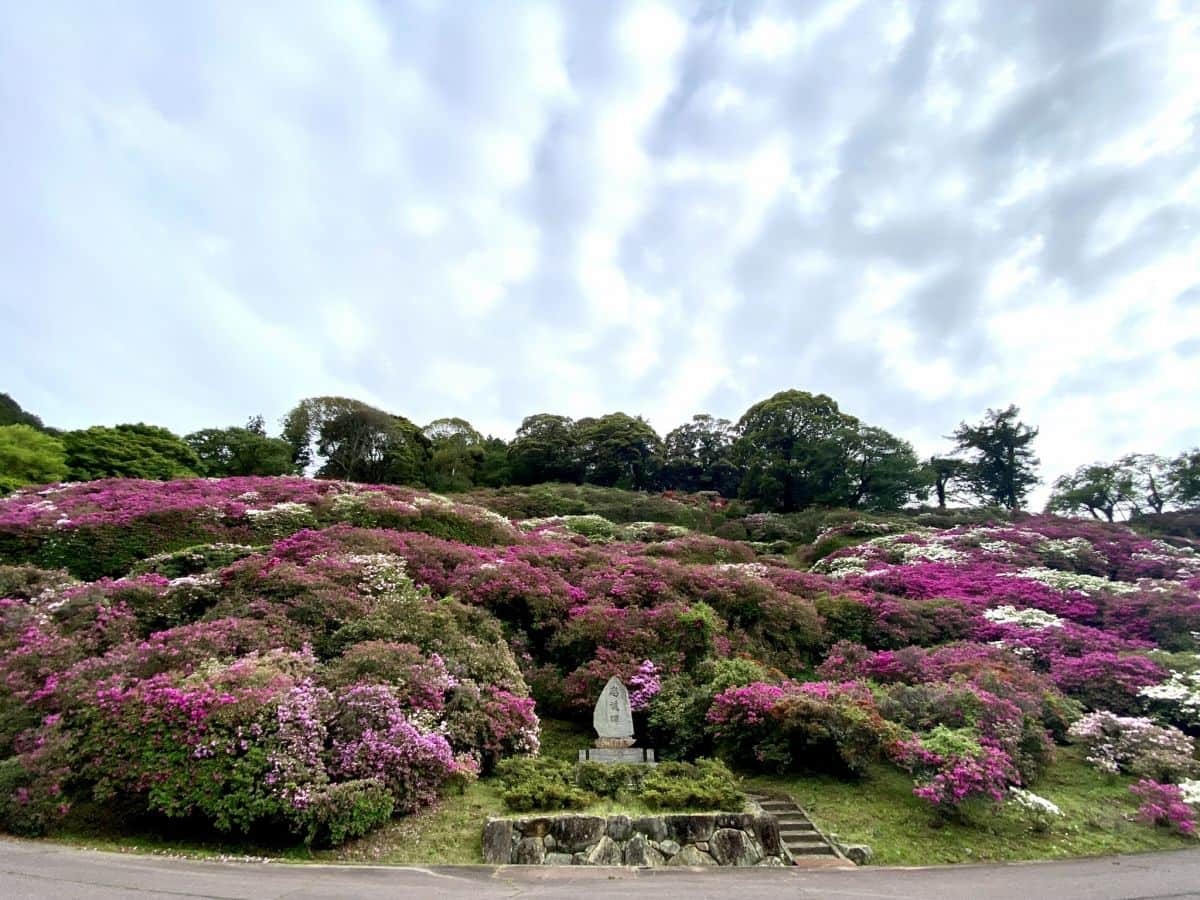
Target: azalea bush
{"x": 819, "y": 726}
{"x": 1164, "y": 805}
{"x": 953, "y": 768}
{"x": 1135, "y": 745}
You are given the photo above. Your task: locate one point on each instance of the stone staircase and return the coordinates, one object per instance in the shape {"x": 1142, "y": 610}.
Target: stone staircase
{"x": 797, "y": 832}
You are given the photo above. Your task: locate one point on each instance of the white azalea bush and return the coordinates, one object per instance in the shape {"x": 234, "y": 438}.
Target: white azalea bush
{"x": 1025, "y": 618}
{"x": 1039, "y": 812}
{"x": 1177, "y": 699}
{"x": 1135, "y": 745}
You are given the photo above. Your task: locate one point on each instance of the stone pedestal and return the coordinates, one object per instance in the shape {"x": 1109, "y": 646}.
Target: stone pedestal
{"x": 638, "y": 755}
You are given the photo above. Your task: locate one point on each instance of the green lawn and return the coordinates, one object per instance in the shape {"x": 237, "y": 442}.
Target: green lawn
{"x": 880, "y": 810}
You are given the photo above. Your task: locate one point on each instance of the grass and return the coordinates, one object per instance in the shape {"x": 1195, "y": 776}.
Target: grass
{"x": 881, "y": 811}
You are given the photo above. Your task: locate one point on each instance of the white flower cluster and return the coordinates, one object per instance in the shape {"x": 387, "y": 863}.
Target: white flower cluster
{"x": 281, "y": 512}
{"x": 998, "y": 548}
{"x": 1181, "y": 691}
{"x": 1069, "y": 547}
{"x": 203, "y": 580}
{"x": 433, "y": 500}
{"x": 1026, "y": 618}
{"x": 840, "y": 566}
{"x": 1072, "y": 581}
{"x": 640, "y": 531}
{"x": 382, "y": 573}
{"x": 1191, "y": 792}
{"x": 858, "y": 527}
{"x": 1034, "y": 803}
{"x": 756, "y": 570}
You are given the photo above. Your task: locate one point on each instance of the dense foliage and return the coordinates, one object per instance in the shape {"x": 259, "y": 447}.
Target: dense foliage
{"x": 315, "y": 656}
{"x": 791, "y": 452}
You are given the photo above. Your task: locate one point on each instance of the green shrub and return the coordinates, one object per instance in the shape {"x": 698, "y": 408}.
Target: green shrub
{"x": 26, "y": 582}
{"x": 536, "y": 783}
{"x": 21, "y": 811}
{"x": 845, "y": 619}
{"x": 609, "y": 780}
{"x": 675, "y": 720}
{"x": 706, "y": 784}
{"x": 194, "y": 560}
{"x": 346, "y": 811}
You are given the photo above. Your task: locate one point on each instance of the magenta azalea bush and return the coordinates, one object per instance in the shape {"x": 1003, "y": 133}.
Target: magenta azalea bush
{"x": 1163, "y": 804}
{"x": 314, "y": 657}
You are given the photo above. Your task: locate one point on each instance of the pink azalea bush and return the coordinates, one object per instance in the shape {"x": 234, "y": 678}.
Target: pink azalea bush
{"x": 1163, "y": 804}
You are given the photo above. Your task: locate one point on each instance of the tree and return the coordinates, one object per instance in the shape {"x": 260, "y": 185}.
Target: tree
{"x": 241, "y": 451}
{"x": 617, "y": 450}
{"x": 1183, "y": 478}
{"x": 352, "y": 440}
{"x": 1000, "y": 466}
{"x": 697, "y": 456}
{"x": 12, "y": 414}
{"x": 128, "y": 451}
{"x": 456, "y": 451}
{"x": 884, "y": 470}
{"x": 792, "y": 453}
{"x": 1148, "y": 479}
{"x": 942, "y": 474}
{"x": 1097, "y": 488}
{"x": 495, "y": 469}
{"x": 27, "y": 456}
{"x": 546, "y": 448}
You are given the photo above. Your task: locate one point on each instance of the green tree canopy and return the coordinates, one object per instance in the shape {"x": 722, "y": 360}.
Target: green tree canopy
{"x": 352, "y": 440}
{"x": 883, "y": 469}
{"x": 27, "y": 456}
{"x": 617, "y": 450}
{"x": 1000, "y": 464}
{"x": 456, "y": 452}
{"x": 546, "y": 448}
{"x": 942, "y": 473}
{"x": 698, "y": 456}
{"x": 791, "y": 449}
{"x": 495, "y": 468}
{"x": 1099, "y": 489}
{"x": 1183, "y": 478}
{"x": 12, "y": 414}
{"x": 241, "y": 451}
{"x": 128, "y": 451}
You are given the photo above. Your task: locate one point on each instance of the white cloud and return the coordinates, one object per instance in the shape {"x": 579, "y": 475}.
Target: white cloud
{"x": 491, "y": 210}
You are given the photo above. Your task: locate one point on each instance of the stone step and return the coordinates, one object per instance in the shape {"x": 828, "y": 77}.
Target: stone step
{"x": 821, "y": 849}
{"x": 775, "y": 806}
{"x": 798, "y": 834}
{"x": 810, "y": 837}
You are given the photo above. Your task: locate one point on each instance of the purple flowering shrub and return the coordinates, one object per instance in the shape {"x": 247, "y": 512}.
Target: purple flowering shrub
{"x": 1163, "y": 804}
{"x": 953, "y": 767}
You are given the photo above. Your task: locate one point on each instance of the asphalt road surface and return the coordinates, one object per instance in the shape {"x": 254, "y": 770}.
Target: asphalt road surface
{"x": 36, "y": 870}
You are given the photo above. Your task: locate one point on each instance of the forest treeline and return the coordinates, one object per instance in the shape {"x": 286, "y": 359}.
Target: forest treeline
{"x": 791, "y": 451}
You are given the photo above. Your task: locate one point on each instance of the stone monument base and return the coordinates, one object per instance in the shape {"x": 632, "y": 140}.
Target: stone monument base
{"x": 614, "y": 743}
{"x": 636, "y": 755}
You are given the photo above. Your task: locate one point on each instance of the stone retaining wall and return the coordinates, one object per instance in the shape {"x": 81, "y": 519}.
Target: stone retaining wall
{"x": 709, "y": 839}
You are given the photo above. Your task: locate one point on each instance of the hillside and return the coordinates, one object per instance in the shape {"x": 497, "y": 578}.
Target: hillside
{"x": 260, "y": 656}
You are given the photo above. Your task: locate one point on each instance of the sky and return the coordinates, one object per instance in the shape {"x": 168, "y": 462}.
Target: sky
{"x": 923, "y": 209}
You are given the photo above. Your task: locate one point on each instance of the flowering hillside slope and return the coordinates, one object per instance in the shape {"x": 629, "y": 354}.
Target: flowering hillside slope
{"x": 316, "y": 656}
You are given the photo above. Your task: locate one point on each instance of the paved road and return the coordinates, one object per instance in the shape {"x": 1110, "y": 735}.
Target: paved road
{"x": 38, "y": 870}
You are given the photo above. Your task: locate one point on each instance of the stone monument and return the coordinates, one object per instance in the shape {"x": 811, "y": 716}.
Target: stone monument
{"x": 613, "y": 720}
